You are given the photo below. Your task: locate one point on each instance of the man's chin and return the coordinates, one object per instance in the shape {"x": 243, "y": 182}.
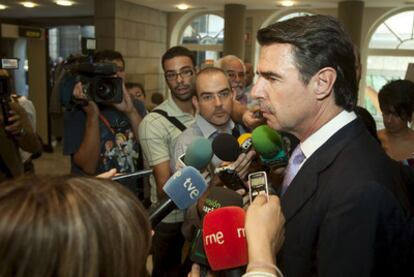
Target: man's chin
{"x": 183, "y": 96}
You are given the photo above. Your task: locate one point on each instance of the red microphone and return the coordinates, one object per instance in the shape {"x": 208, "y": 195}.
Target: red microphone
{"x": 224, "y": 238}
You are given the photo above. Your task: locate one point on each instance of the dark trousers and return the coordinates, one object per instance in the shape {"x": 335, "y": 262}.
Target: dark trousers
{"x": 167, "y": 244}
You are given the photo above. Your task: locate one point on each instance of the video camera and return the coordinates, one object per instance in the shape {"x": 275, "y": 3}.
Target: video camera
{"x": 97, "y": 79}
{"x": 5, "y": 90}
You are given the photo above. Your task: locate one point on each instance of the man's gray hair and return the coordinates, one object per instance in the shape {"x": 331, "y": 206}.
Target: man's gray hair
{"x": 219, "y": 63}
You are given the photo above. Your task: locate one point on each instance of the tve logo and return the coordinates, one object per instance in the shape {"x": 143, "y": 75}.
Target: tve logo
{"x": 185, "y": 187}
{"x": 193, "y": 191}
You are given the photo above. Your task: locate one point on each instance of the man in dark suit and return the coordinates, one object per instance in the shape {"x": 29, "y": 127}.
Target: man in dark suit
{"x": 342, "y": 215}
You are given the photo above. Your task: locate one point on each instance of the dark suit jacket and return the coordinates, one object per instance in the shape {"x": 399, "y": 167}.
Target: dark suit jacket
{"x": 342, "y": 216}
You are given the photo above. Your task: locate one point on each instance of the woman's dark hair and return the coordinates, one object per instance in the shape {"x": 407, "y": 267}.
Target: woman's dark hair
{"x": 318, "y": 41}
{"x": 398, "y": 95}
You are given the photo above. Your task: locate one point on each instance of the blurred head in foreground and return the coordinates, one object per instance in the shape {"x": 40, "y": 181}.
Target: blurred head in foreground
{"x": 71, "y": 226}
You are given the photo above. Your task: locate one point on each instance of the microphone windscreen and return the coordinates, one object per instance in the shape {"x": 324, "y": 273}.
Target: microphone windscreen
{"x": 219, "y": 197}
{"x": 245, "y": 142}
{"x": 224, "y": 238}
{"x": 198, "y": 153}
{"x": 185, "y": 187}
{"x": 266, "y": 141}
{"x": 226, "y": 147}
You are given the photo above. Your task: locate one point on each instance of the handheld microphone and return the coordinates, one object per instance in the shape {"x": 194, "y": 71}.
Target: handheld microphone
{"x": 183, "y": 189}
{"x": 269, "y": 144}
{"x": 224, "y": 238}
{"x": 219, "y": 197}
{"x": 245, "y": 142}
{"x": 226, "y": 148}
{"x": 198, "y": 154}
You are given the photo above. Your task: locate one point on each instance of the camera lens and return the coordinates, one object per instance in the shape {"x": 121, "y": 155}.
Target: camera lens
{"x": 105, "y": 90}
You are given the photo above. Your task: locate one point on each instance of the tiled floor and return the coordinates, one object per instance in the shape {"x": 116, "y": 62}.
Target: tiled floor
{"x": 54, "y": 163}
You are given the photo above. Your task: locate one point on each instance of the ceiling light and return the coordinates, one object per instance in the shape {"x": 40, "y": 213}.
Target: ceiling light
{"x": 287, "y": 3}
{"x": 182, "y": 7}
{"x": 64, "y": 3}
{"x": 29, "y": 4}
{"x": 3, "y": 7}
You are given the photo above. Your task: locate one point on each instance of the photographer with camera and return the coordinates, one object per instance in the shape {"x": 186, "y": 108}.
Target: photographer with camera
{"x": 15, "y": 132}
{"x": 102, "y": 111}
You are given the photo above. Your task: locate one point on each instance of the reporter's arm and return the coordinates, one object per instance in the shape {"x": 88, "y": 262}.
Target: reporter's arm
{"x": 21, "y": 129}
{"x": 128, "y": 108}
{"x": 162, "y": 173}
{"x": 87, "y": 155}
{"x": 264, "y": 239}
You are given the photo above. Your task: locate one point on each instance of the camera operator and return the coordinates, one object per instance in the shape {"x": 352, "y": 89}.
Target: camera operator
{"x": 113, "y": 125}
{"x": 15, "y": 131}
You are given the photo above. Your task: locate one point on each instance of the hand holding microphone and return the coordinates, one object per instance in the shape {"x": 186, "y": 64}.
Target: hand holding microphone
{"x": 234, "y": 170}
{"x": 264, "y": 232}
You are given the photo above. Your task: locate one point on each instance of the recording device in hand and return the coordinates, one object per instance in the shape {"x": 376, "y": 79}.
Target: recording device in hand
{"x": 198, "y": 154}
{"x": 258, "y": 185}
{"x": 98, "y": 81}
{"x": 183, "y": 189}
{"x": 224, "y": 240}
{"x": 269, "y": 145}
{"x": 5, "y": 89}
{"x": 226, "y": 148}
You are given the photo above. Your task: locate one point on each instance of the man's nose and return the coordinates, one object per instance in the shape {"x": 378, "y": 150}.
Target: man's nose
{"x": 258, "y": 89}
{"x": 179, "y": 79}
{"x": 217, "y": 101}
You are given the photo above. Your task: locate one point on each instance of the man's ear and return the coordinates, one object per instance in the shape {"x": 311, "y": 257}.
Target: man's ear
{"x": 194, "y": 99}
{"x": 324, "y": 81}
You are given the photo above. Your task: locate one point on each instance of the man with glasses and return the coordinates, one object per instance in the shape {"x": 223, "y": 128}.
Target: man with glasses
{"x": 157, "y": 137}
{"x": 236, "y": 73}
{"x": 213, "y": 99}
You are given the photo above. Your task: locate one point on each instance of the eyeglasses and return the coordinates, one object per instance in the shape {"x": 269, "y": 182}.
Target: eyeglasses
{"x": 233, "y": 74}
{"x": 222, "y": 95}
{"x": 184, "y": 73}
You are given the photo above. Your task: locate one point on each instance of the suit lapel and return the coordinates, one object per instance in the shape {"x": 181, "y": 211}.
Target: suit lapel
{"x": 305, "y": 183}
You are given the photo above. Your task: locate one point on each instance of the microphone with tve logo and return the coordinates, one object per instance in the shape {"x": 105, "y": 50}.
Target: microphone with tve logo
{"x": 183, "y": 189}
{"x": 224, "y": 240}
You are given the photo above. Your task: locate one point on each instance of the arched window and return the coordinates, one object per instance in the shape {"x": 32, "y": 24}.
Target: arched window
{"x": 292, "y": 15}
{"x": 391, "y": 49}
{"x": 205, "y": 35}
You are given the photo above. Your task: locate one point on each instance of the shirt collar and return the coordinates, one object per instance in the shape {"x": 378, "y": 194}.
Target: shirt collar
{"x": 317, "y": 139}
{"x": 208, "y": 129}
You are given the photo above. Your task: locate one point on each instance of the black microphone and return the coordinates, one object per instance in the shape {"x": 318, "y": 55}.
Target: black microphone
{"x": 183, "y": 189}
{"x": 226, "y": 148}
{"x": 219, "y": 197}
